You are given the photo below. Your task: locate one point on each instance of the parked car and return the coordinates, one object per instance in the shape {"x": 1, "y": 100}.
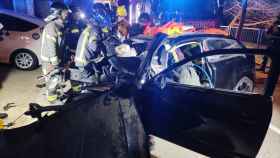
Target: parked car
{"x": 20, "y": 39}
{"x": 117, "y": 121}
{"x": 1, "y": 26}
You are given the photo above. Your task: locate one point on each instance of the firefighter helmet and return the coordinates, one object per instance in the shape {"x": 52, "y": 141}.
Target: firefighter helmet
{"x": 56, "y": 10}
{"x": 100, "y": 15}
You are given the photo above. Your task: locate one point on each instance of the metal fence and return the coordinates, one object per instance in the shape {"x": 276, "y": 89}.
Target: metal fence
{"x": 252, "y": 35}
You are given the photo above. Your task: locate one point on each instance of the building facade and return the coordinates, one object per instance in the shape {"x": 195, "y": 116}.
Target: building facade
{"x": 38, "y": 8}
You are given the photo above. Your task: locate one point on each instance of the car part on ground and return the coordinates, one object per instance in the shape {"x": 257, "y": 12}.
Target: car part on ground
{"x": 3, "y": 115}
{"x": 9, "y": 106}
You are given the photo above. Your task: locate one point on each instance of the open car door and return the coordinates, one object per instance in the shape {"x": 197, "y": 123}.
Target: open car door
{"x": 181, "y": 105}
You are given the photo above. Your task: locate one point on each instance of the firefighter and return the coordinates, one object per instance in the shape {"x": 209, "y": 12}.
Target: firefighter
{"x": 89, "y": 49}
{"x": 144, "y": 21}
{"x": 51, "y": 49}
{"x": 76, "y": 24}
{"x": 122, "y": 30}
{"x": 99, "y": 40}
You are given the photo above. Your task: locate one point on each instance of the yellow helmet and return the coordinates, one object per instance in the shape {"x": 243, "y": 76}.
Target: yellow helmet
{"x": 121, "y": 11}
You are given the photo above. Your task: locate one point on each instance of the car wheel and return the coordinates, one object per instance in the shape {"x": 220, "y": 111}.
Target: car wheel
{"x": 245, "y": 84}
{"x": 25, "y": 60}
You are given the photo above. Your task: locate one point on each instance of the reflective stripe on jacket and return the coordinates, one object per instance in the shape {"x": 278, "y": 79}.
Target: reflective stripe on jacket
{"x": 82, "y": 44}
{"x": 51, "y": 39}
{"x": 87, "y": 46}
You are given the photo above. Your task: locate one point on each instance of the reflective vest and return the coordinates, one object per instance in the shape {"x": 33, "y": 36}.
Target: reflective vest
{"x": 80, "y": 59}
{"x": 87, "y": 46}
{"x": 51, "y": 40}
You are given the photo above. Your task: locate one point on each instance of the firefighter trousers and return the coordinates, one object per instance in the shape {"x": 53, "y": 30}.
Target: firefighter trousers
{"x": 53, "y": 79}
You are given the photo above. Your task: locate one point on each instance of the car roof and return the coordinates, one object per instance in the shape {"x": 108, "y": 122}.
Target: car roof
{"x": 34, "y": 20}
{"x": 178, "y": 38}
{"x": 184, "y": 36}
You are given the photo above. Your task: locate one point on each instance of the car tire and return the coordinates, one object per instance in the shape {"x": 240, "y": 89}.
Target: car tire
{"x": 25, "y": 60}
{"x": 244, "y": 84}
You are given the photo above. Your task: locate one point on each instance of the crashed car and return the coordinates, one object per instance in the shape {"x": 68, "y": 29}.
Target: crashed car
{"x": 221, "y": 71}
{"x": 117, "y": 122}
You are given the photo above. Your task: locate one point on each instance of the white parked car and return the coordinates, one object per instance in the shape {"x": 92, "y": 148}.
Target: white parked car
{"x": 20, "y": 39}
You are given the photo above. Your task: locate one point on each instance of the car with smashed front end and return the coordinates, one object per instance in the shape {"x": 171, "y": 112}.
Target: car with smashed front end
{"x": 190, "y": 110}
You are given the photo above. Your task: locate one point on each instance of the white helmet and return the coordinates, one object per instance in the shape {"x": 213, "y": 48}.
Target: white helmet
{"x": 55, "y": 11}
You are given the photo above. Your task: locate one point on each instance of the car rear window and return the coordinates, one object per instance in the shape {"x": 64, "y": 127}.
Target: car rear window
{"x": 15, "y": 24}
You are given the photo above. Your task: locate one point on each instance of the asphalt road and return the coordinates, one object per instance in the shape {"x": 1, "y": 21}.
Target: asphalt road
{"x": 19, "y": 89}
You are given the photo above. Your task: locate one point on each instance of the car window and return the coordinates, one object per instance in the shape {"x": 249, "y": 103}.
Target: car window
{"x": 188, "y": 50}
{"x": 15, "y": 24}
{"x": 167, "y": 55}
{"x": 214, "y": 43}
{"x": 159, "y": 60}
{"x": 238, "y": 73}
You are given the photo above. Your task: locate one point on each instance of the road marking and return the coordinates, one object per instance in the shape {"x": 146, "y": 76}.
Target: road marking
{"x": 274, "y": 129}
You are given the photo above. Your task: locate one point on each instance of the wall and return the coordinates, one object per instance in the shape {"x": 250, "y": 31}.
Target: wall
{"x": 41, "y": 8}
{"x": 24, "y": 6}
{"x": 6, "y": 4}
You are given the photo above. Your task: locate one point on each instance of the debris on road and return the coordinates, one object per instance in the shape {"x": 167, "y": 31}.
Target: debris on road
{"x": 9, "y": 106}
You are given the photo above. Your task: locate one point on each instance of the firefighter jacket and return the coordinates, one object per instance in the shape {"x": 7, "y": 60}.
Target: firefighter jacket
{"x": 88, "y": 47}
{"x": 73, "y": 34}
{"x": 51, "y": 51}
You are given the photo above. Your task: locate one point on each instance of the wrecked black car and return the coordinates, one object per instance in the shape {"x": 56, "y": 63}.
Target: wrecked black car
{"x": 221, "y": 71}
{"x": 173, "y": 94}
